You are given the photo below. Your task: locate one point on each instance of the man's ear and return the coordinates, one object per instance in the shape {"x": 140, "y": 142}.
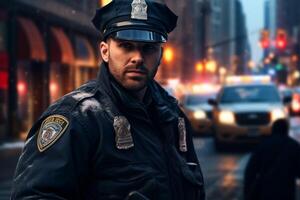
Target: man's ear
{"x": 160, "y": 56}
{"x": 104, "y": 51}
{"x": 161, "y": 53}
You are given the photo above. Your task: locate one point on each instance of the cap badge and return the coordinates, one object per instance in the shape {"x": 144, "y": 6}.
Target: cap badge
{"x": 123, "y": 134}
{"x": 51, "y": 130}
{"x": 182, "y": 135}
{"x": 139, "y": 9}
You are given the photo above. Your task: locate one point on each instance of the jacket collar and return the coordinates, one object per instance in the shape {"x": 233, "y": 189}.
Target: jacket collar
{"x": 165, "y": 105}
{"x": 119, "y": 95}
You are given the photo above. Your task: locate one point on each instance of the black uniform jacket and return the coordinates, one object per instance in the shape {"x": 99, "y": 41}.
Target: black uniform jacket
{"x": 86, "y": 163}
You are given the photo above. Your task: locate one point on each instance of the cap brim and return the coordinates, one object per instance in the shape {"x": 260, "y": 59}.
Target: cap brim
{"x": 139, "y": 36}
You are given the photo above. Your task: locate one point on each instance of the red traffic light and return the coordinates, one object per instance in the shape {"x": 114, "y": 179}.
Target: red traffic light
{"x": 264, "y": 40}
{"x": 281, "y": 39}
{"x": 265, "y": 44}
{"x": 280, "y": 43}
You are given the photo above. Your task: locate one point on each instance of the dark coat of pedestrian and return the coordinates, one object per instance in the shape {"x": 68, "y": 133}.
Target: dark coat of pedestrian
{"x": 273, "y": 167}
{"x": 120, "y": 136}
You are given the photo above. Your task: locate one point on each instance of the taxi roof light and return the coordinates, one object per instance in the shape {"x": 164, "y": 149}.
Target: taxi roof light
{"x": 248, "y": 79}
{"x": 203, "y": 88}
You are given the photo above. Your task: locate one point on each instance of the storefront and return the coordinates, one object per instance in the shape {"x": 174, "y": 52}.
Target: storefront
{"x": 61, "y": 64}
{"x": 31, "y": 70}
{"x": 43, "y": 56}
{"x": 86, "y": 67}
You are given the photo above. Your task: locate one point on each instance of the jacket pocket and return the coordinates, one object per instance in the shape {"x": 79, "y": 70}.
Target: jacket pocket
{"x": 118, "y": 180}
{"x": 193, "y": 184}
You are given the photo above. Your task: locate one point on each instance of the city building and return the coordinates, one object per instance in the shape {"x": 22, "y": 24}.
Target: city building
{"x": 181, "y": 43}
{"x": 242, "y": 46}
{"x": 228, "y": 39}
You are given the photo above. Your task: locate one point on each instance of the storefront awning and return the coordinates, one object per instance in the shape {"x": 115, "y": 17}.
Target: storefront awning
{"x": 85, "y": 55}
{"x": 34, "y": 38}
{"x": 64, "y": 45}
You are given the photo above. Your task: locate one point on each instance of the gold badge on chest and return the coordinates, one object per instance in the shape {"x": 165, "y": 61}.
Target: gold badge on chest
{"x": 123, "y": 135}
{"x": 182, "y": 135}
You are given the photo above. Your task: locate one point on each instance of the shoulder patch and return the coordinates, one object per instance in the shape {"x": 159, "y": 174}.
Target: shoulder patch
{"x": 51, "y": 130}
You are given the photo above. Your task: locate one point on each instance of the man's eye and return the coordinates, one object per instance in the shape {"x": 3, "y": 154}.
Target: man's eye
{"x": 149, "y": 48}
{"x": 127, "y": 46}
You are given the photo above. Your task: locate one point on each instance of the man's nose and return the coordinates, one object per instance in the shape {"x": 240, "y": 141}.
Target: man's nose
{"x": 137, "y": 57}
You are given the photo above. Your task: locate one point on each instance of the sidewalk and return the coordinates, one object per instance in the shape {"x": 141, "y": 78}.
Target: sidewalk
{"x": 9, "y": 155}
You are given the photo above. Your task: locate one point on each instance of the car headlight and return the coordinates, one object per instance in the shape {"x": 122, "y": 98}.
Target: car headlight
{"x": 226, "y": 117}
{"x": 277, "y": 114}
{"x": 199, "y": 114}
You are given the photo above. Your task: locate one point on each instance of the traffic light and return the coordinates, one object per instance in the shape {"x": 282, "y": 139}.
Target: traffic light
{"x": 279, "y": 67}
{"x": 281, "y": 39}
{"x": 264, "y": 39}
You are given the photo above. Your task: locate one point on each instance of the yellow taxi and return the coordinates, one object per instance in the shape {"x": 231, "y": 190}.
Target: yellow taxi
{"x": 245, "y": 109}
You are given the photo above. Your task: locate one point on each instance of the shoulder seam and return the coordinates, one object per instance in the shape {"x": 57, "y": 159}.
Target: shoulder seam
{"x": 93, "y": 90}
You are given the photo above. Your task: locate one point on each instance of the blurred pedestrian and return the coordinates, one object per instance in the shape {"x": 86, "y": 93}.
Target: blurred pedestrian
{"x": 273, "y": 167}
{"x": 121, "y": 136}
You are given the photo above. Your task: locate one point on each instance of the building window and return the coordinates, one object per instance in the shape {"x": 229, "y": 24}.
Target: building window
{"x": 217, "y": 16}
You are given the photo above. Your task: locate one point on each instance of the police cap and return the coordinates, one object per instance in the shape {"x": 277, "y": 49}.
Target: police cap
{"x": 135, "y": 20}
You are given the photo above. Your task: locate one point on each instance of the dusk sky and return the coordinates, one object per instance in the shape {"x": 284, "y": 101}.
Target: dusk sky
{"x": 253, "y": 10}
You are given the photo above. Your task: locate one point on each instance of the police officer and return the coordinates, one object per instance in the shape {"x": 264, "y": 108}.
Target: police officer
{"x": 120, "y": 136}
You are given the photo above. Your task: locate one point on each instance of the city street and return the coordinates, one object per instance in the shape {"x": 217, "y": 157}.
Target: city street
{"x": 223, "y": 172}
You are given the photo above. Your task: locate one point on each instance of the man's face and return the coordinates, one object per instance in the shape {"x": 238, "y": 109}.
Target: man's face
{"x": 131, "y": 63}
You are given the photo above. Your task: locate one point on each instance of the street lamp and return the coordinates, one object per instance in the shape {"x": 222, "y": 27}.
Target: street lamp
{"x": 211, "y": 66}
{"x": 199, "y": 67}
{"x": 168, "y": 54}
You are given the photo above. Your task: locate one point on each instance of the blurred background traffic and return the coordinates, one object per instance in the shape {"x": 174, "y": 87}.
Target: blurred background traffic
{"x": 233, "y": 65}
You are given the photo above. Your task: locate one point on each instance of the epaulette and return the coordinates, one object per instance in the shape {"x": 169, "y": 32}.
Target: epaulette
{"x": 55, "y": 120}
{"x": 67, "y": 103}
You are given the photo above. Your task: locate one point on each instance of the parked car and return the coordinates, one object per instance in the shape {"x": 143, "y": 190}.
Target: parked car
{"x": 199, "y": 112}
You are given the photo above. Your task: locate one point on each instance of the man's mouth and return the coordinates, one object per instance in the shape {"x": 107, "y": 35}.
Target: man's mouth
{"x": 138, "y": 72}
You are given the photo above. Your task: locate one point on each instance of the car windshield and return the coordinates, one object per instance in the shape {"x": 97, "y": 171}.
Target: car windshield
{"x": 255, "y": 93}
{"x": 196, "y": 99}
